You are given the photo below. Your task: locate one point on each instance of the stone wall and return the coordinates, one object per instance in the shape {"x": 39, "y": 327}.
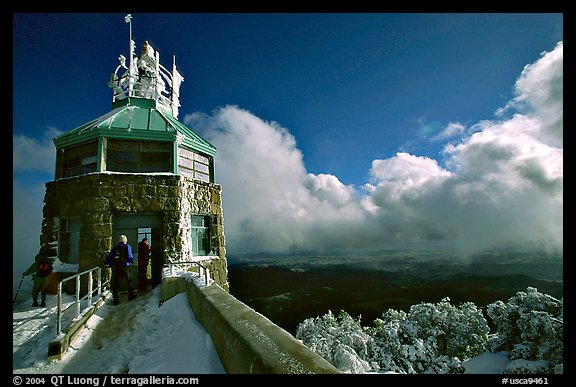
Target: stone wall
{"x": 246, "y": 341}
{"x": 97, "y": 197}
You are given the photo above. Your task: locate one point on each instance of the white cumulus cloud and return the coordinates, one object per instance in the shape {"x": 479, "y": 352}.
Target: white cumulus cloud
{"x": 502, "y": 184}
{"x": 32, "y": 154}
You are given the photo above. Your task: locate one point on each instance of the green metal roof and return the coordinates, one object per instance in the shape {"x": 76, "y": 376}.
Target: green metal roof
{"x": 136, "y": 119}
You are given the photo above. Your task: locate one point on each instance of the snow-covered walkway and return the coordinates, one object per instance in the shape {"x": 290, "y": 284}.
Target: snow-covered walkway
{"x": 136, "y": 337}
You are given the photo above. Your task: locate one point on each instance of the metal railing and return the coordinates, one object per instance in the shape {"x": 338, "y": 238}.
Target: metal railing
{"x": 203, "y": 271}
{"x": 142, "y": 86}
{"x": 89, "y": 296}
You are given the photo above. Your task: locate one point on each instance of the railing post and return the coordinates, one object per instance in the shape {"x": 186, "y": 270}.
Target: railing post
{"x": 89, "y": 296}
{"x": 59, "y": 317}
{"x": 90, "y": 283}
{"x": 77, "y": 296}
{"x": 207, "y": 272}
{"x": 99, "y": 271}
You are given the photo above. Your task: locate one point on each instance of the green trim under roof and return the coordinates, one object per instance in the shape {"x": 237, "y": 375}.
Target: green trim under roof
{"x": 136, "y": 119}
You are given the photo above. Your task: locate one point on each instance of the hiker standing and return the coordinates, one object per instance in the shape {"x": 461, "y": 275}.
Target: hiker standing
{"x": 119, "y": 258}
{"x": 143, "y": 258}
{"x": 41, "y": 268}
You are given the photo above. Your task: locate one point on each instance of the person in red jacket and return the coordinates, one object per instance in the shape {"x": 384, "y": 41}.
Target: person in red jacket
{"x": 41, "y": 268}
{"x": 143, "y": 259}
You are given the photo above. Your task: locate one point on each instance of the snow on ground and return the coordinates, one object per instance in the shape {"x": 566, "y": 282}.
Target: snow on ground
{"x": 486, "y": 363}
{"x": 134, "y": 337}
{"x": 138, "y": 337}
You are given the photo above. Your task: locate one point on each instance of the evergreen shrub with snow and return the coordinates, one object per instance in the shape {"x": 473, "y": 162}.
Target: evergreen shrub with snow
{"x": 342, "y": 341}
{"x": 530, "y": 327}
{"x": 436, "y": 338}
{"x": 430, "y": 338}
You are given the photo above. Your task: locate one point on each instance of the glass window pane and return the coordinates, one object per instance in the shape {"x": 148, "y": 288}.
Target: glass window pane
{"x": 201, "y": 158}
{"x": 122, "y": 156}
{"x": 202, "y": 245}
{"x": 198, "y": 221}
{"x": 184, "y": 162}
{"x": 202, "y": 177}
{"x": 201, "y": 168}
{"x": 89, "y": 160}
{"x": 200, "y": 235}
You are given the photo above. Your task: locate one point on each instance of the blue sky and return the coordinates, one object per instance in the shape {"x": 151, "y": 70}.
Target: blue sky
{"x": 359, "y": 110}
{"x": 349, "y": 87}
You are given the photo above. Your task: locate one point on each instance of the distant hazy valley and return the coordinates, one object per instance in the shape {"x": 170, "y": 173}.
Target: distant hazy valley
{"x": 288, "y": 290}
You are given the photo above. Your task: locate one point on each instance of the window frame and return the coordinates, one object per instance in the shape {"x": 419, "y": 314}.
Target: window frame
{"x": 130, "y": 156}
{"x": 195, "y": 165}
{"x": 208, "y": 250}
{"x": 69, "y": 240}
{"x": 80, "y": 159}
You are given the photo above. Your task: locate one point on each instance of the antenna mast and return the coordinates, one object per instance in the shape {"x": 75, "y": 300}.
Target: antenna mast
{"x": 128, "y": 19}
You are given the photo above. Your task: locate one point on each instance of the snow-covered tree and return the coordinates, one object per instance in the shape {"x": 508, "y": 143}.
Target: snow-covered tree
{"x": 436, "y": 338}
{"x": 341, "y": 341}
{"x": 402, "y": 345}
{"x": 530, "y": 327}
{"x": 431, "y": 338}
{"x": 459, "y": 331}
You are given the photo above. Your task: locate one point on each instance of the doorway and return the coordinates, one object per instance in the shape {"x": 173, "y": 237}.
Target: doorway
{"x": 136, "y": 227}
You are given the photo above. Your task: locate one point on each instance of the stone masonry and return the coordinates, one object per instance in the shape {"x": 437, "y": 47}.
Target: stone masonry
{"x": 95, "y": 198}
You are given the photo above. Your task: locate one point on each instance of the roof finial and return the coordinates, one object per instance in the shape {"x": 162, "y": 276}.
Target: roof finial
{"x": 146, "y": 78}
{"x": 128, "y": 19}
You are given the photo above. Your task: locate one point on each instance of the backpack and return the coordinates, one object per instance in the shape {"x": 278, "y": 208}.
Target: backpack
{"x": 44, "y": 268}
{"x": 120, "y": 255}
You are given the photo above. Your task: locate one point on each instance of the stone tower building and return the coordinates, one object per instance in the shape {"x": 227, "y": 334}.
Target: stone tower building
{"x": 137, "y": 171}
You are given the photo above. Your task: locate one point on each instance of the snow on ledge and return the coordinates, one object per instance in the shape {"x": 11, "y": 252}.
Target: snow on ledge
{"x": 189, "y": 276}
{"x": 63, "y": 267}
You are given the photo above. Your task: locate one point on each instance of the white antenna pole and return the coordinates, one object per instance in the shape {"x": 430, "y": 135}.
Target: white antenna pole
{"x": 128, "y": 19}
{"x": 173, "y": 106}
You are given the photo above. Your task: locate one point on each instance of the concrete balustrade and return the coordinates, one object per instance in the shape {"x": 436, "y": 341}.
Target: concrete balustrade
{"x": 247, "y": 342}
